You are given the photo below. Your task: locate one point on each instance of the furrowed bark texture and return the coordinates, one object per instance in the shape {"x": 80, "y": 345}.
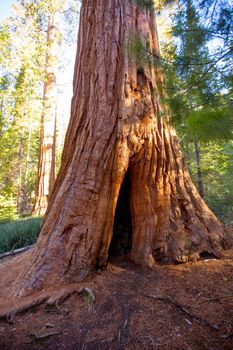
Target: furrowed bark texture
{"x": 117, "y": 125}
{"x": 47, "y": 159}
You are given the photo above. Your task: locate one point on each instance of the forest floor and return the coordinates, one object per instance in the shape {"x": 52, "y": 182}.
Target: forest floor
{"x": 186, "y": 306}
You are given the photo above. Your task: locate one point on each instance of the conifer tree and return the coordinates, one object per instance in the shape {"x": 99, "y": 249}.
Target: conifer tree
{"x": 119, "y": 147}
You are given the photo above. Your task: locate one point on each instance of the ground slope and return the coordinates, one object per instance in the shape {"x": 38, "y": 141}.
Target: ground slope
{"x": 187, "y": 306}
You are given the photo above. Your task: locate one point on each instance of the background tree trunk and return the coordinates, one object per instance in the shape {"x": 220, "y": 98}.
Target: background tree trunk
{"x": 1, "y": 114}
{"x": 199, "y": 173}
{"x": 118, "y": 126}
{"x": 47, "y": 160}
{"x": 19, "y": 181}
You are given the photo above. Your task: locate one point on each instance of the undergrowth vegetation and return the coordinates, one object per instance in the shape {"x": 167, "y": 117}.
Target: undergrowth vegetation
{"x": 18, "y": 233}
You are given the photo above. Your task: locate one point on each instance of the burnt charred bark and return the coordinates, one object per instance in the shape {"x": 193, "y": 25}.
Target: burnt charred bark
{"x": 118, "y": 126}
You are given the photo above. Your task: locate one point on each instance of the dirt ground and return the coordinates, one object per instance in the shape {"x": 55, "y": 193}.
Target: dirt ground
{"x": 187, "y": 306}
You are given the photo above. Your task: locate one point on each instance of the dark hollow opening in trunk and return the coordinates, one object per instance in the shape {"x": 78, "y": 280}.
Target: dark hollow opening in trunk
{"x": 122, "y": 230}
{"x": 206, "y": 255}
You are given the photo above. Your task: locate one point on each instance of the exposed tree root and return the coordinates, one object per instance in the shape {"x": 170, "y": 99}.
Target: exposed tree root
{"x": 50, "y": 300}
{"x": 65, "y": 293}
{"x": 10, "y": 314}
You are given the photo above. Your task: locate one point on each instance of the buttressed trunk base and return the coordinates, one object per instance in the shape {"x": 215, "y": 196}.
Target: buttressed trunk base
{"x": 118, "y": 128}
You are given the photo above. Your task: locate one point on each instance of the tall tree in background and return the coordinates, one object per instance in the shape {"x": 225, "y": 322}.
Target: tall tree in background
{"x": 192, "y": 65}
{"x": 25, "y": 38}
{"x": 119, "y": 140}
{"x": 47, "y": 160}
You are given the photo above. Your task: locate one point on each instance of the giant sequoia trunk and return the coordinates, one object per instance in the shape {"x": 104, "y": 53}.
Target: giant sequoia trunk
{"x": 119, "y": 131}
{"x": 47, "y": 158}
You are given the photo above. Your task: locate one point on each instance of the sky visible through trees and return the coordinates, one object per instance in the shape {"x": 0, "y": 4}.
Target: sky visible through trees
{"x": 65, "y": 74}
{"x": 5, "y": 8}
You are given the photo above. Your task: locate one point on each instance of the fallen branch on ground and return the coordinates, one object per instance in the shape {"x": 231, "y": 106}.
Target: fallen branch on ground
{"x": 15, "y": 252}
{"x": 44, "y": 336}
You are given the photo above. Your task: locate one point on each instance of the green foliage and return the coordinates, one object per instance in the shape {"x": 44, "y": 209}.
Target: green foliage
{"x": 199, "y": 93}
{"x": 18, "y": 234}
{"x": 21, "y": 78}
{"x": 23, "y": 39}
{"x": 217, "y": 168}
{"x": 219, "y": 16}
{"x": 7, "y": 207}
{"x": 4, "y": 38}
{"x": 194, "y": 74}
{"x": 205, "y": 125}
{"x": 138, "y": 50}
{"x": 145, "y": 4}
{"x": 90, "y": 298}
{"x": 155, "y": 5}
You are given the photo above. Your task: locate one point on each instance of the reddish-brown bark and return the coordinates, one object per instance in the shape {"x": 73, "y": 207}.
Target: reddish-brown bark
{"x": 47, "y": 159}
{"x": 119, "y": 126}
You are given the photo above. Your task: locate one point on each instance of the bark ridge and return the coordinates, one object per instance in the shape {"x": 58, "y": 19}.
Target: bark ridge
{"x": 119, "y": 125}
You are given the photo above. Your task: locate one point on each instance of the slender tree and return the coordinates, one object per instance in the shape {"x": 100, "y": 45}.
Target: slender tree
{"x": 119, "y": 138}
{"x": 47, "y": 160}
